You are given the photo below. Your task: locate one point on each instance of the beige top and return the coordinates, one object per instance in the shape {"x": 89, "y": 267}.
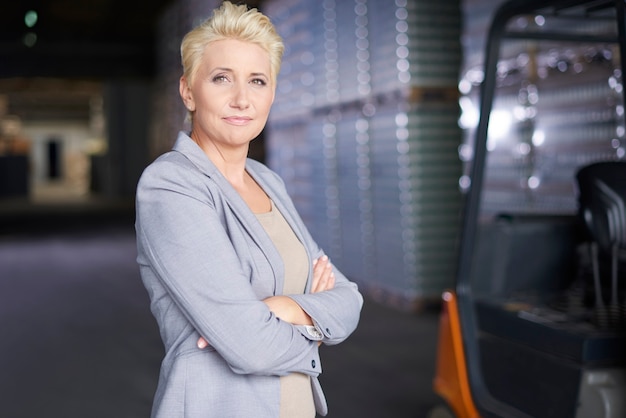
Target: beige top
{"x": 296, "y": 395}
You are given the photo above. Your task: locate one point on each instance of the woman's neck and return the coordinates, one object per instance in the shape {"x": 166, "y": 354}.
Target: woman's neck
{"x": 230, "y": 161}
{"x": 232, "y": 165}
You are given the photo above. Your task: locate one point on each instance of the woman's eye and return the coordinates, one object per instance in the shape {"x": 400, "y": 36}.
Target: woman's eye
{"x": 259, "y": 81}
{"x": 220, "y": 79}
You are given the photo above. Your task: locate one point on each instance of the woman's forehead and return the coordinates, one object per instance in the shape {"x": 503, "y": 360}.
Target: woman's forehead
{"x": 236, "y": 51}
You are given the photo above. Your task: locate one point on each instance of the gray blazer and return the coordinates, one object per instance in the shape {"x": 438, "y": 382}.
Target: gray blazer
{"x": 207, "y": 263}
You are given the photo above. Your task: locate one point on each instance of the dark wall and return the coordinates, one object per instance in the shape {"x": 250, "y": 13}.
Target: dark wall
{"x": 127, "y": 109}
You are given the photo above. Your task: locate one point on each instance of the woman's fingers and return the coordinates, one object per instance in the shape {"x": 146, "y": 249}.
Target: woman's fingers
{"x": 323, "y": 276}
{"x": 319, "y": 265}
{"x": 331, "y": 280}
{"x": 202, "y": 343}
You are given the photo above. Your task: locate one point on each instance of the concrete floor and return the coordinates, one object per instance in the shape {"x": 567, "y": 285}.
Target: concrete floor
{"x": 77, "y": 339}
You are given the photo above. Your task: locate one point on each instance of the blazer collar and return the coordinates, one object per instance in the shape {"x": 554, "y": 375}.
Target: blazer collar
{"x": 188, "y": 147}
{"x": 192, "y": 151}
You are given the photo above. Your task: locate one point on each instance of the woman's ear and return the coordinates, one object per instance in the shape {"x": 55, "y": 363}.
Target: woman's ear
{"x": 186, "y": 95}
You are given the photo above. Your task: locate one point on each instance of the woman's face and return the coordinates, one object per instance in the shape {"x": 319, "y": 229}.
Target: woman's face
{"x": 231, "y": 94}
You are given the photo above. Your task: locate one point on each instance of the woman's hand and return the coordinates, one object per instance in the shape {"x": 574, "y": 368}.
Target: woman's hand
{"x": 323, "y": 276}
{"x": 286, "y": 308}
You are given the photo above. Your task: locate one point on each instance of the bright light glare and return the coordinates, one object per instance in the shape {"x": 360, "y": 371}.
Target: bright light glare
{"x": 534, "y": 182}
{"x": 499, "y": 126}
{"x": 30, "y": 18}
{"x": 540, "y": 20}
{"x": 469, "y": 113}
{"x": 539, "y": 137}
{"x": 465, "y": 86}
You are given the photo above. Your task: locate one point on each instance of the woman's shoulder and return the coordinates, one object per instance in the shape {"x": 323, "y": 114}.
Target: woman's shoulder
{"x": 185, "y": 157}
{"x": 173, "y": 171}
{"x": 170, "y": 163}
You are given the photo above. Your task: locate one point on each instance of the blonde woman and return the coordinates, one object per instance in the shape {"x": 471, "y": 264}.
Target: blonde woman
{"x": 242, "y": 294}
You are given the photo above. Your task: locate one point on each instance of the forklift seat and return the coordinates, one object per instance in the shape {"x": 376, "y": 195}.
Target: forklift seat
{"x": 602, "y": 203}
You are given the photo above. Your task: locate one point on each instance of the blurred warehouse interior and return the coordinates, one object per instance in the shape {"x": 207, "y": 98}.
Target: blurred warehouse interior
{"x": 370, "y": 128}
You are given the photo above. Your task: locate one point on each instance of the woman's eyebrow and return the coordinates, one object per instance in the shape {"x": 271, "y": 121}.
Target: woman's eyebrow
{"x": 222, "y": 69}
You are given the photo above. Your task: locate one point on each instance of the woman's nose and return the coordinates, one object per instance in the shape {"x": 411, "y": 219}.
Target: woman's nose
{"x": 240, "y": 97}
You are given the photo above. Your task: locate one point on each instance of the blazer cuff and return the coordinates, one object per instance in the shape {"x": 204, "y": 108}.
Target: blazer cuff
{"x": 310, "y": 332}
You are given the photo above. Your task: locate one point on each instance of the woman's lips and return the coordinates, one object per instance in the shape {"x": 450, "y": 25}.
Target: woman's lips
{"x": 238, "y": 120}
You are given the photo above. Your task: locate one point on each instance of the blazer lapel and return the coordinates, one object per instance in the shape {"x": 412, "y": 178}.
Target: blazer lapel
{"x": 238, "y": 208}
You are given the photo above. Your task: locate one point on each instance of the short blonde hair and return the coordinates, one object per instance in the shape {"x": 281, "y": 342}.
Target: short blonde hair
{"x": 231, "y": 21}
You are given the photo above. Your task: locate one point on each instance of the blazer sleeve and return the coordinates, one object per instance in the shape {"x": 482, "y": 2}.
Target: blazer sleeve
{"x": 184, "y": 245}
{"x": 335, "y": 313}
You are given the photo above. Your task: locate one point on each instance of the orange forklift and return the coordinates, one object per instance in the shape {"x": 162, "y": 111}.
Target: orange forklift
{"x": 535, "y": 326}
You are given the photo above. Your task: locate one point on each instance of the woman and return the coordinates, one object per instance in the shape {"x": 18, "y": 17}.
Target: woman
{"x": 242, "y": 294}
